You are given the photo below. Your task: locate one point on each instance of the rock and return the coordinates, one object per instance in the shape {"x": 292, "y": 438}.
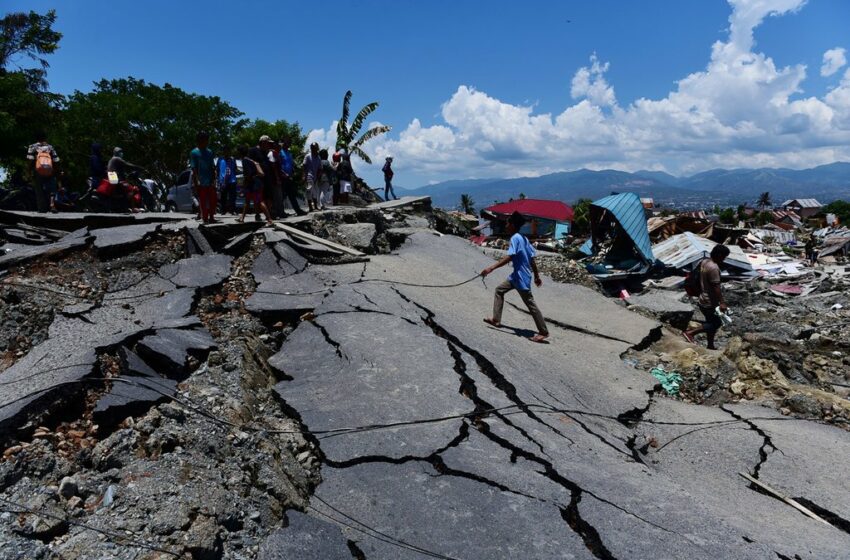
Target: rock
{"x": 803, "y": 404}
{"x": 202, "y": 540}
{"x": 358, "y": 236}
{"x": 110, "y": 242}
{"x": 68, "y": 487}
{"x": 737, "y": 387}
{"x": 169, "y": 349}
{"x": 131, "y": 396}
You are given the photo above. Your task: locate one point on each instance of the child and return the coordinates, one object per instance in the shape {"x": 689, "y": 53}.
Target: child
{"x": 521, "y": 254}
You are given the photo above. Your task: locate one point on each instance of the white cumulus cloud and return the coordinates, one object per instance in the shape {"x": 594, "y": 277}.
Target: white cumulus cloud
{"x": 740, "y": 110}
{"x": 833, "y": 61}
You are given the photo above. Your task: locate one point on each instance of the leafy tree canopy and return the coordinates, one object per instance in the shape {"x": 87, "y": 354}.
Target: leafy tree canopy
{"x": 840, "y": 208}
{"x": 28, "y": 35}
{"x": 581, "y": 216}
{"x": 156, "y": 125}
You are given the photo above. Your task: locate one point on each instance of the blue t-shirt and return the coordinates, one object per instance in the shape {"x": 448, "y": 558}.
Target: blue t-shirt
{"x": 521, "y": 253}
{"x": 286, "y": 163}
{"x": 226, "y": 171}
{"x": 202, "y": 162}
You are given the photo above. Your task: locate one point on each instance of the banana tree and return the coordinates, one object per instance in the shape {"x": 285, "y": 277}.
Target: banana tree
{"x": 346, "y": 133}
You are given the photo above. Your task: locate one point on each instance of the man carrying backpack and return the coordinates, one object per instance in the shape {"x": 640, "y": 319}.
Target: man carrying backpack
{"x": 706, "y": 280}
{"x": 45, "y": 170}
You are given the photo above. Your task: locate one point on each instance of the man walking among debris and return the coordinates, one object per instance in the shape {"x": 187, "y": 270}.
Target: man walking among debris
{"x": 521, "y": 254}
{"x": 711, "y": 296}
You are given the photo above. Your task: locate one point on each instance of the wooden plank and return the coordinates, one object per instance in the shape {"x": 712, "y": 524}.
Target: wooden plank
{"x": 404, "y": 201}
{"x": 309, "y": 237}
{"x": 791, "y": 502}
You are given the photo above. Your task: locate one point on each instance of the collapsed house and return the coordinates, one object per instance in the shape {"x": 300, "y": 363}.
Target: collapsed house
{"x": 684, "y": 251}
{"x": 619, "y": 238}
{"x": 665, "y": 227}
{"x": 543, "y": 218}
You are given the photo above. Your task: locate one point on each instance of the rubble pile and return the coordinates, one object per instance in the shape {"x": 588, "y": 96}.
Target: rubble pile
{"x": 563, "y": 269}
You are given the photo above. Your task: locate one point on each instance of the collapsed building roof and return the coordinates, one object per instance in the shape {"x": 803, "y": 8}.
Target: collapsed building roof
{"x": 626, "y": 211}
{"x": 547, "y": 209}
{"x": 684, "y": 250}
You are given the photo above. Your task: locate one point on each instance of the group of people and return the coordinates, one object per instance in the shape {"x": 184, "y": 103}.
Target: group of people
{"x": 268, "y": 171}
{"x": 105, "y": 178}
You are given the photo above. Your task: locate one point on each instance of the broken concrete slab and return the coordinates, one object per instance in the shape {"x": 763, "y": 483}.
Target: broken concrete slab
{"x": 196, "y": 242}
{"x": 238, "y": 244}
{"x": 131, "y": 395}
{"x": 112, "y": 241}
{"x": 305, "y": 538}
{"x": 448, "y": 516}
{"x": 330, "y": 352}
{"x": 74, "y": 240}
{"x": 664, "y": 306}
{"x": 358, "y": 236}
{"x": 287, "y": 254}
{"x": 169, "y": 349}
{"x": 287, "y": 295}
{"x": 199, "y": 271}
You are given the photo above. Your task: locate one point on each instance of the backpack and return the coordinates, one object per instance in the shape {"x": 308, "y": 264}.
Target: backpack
{"x": 693, "y": 281}
{"x": 44, "y": 163}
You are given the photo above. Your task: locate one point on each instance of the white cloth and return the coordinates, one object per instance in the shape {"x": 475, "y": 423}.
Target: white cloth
{"x": 345, "y": 186}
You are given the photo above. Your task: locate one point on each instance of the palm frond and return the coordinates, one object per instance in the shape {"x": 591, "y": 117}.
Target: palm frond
{"x": 361, "y": 154}
{"x": 343, "y": 138}
{"x": 346, "y": 102}
{"x": 371, "y": 133}
{"x": 358, "y": 121}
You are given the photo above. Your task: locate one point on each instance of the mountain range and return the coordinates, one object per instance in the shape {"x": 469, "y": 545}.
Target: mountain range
{"x": 724, "y": 187}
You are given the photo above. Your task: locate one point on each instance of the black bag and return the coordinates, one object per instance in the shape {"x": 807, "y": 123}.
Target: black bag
{"x": 693, "y": 280}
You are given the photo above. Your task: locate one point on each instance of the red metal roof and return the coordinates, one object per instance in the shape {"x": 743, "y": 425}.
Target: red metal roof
{"x": 546, "y": 209}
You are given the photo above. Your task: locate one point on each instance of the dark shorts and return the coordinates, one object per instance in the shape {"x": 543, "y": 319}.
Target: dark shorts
{"x": 712, "y": 320}
{"x": 269, "y": 189}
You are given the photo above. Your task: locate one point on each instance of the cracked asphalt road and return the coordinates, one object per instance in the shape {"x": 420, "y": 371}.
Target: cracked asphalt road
{"x": 545, "y": 449}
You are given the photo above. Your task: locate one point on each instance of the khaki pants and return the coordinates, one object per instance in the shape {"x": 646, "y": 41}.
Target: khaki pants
{"x": 527, "y": 298}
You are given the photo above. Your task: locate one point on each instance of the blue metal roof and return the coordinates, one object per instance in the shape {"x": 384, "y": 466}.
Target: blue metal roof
{"x": 629, "y": 211}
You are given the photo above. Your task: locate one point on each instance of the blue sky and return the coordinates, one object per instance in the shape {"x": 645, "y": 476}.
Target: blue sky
{"x": 498, "y": 88}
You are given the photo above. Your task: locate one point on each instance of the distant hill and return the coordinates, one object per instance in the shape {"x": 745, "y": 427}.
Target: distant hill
{"x": 725, "y": 187}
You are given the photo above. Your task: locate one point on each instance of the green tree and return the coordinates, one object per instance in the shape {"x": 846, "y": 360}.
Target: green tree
{"x": 467, "y": 204}
{"x": 522, "y": 196}
{"x": 28, "y": 35}
{"x": 742, "y": 213}
{"x": 25, "y": 105}
{"x": 840, "y": 208}
{"x": 764, "y": 200}
{"x": 727, "y": 216}
{"x": 764, "y": 218}
{"x": 581, "y": 216}
{"x": 156, "y": 125}
{"x": 347, "y": 133}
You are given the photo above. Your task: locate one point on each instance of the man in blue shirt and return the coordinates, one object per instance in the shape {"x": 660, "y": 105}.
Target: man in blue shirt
{"x": 521, "y": 254}
{"x": 202, "y": 162}
{"x": 287, "y": 173}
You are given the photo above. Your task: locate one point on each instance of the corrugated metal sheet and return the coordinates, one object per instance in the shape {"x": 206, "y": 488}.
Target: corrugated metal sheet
{"x": 629, "y": 211}
{"x": 803, "y": 203}
{"x": 781, "y": 237}
{"x": 684, "y": 250}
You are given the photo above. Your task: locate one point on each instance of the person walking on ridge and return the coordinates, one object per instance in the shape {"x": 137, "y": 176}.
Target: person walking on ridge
{"x": 521, "y": 255}
{"x": 388, "y": 179}
{"x": 312, "y": 173}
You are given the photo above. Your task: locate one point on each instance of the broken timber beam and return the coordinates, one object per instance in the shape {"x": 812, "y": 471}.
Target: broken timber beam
{"x": 314, "y": 239}
{"x": 790, "y": 501}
